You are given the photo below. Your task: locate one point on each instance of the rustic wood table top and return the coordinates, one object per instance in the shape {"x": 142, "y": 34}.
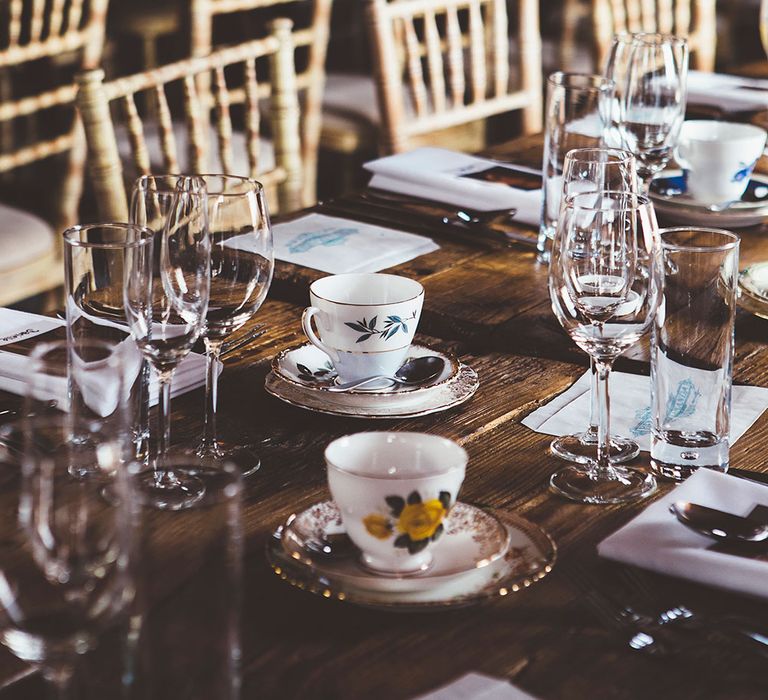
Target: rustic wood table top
{"x": 489, "y": 305}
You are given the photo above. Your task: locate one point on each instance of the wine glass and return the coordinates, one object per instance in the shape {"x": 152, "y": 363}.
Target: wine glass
{"x": 242, "y": 263}
{"x": 604, "y": 284}
{"x": 650, "y": 73}
{"x": 593, "y": 170}
{"x": 166, "y": 297}
{"x": 66, "y": 552}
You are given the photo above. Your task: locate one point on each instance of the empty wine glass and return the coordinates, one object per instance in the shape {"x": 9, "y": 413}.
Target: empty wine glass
{"x": 650, "y": 73}
{"x": 241, "y": 269}
{"x": 594, "y": 170}
{"x": 65, "y": 554}
{"x": 166, "y": 298}
{"x": 604, "y": 283}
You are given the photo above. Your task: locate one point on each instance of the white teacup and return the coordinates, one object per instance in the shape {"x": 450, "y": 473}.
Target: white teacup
{"x": 718, "y": 158}
{"x": 365, "y": 321}
{"x": 394, "y": 491}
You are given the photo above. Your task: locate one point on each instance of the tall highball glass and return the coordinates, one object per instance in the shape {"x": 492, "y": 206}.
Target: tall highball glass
{"x": 594, "y": 170}
{"x": 241, "y": 269}
{"x": 604, "y": 284}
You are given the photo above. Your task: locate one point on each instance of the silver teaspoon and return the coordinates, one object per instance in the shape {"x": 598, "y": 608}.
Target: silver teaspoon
{"x": 718, "y": 524}
{"x": 414, "y": 372}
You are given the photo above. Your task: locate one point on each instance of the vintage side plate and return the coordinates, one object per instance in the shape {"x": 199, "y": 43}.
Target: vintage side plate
{"x": 476, "y": 561}
{"x": 671, "y": 201}
{"x": 301, "y": 376}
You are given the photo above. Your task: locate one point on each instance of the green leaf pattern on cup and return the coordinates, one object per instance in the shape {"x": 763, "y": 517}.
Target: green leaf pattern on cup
{"x": 392, "y": 324}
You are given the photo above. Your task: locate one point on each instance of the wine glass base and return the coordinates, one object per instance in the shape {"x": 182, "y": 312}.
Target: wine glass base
{"x": 581, "y": 450}
{"x": 614, "y": 485}
{"x": 244, "y": 457}
{"x": 167, "y": 490}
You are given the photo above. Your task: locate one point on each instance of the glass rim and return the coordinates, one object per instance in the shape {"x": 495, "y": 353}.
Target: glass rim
{"x": 257, "y": 186}
{"x": 733, "y": 239}
{"x": 139, "y": 181}
{"x": 598, "y": 82}
{"x": 626, "y": 156}
{"x": 641, "y": 200}
{"x": 145, "y": 235}
{"x": 650, "y": 38}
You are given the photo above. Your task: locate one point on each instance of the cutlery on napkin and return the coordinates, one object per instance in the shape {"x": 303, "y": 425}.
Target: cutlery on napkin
{"x": 656, "y": 540}
{"x": 460, "y": 180}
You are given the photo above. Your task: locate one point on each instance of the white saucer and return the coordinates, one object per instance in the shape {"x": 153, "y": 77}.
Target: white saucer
{"x": 482, "y": 555}
{"x": 301, "y": 376}
{"x": 671, "y": 201}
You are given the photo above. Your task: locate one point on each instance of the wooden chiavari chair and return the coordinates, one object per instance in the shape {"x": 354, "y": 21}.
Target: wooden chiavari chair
{"x": 310, "y": 41}
{"x": 36, "y": 31}
{"x": 450, "y": 61}
{"x": 694, "y": 19}
{"x": 283, "y": 182}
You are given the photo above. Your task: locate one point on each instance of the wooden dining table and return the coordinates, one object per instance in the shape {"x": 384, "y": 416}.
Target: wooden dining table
{"x": 488, "y": 304}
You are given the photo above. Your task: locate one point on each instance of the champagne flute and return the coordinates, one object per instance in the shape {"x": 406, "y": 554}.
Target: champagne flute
{"x": 65, "y": 555}
{"x": 604, "y": 283}
{"x": 166, "y": 297}
{"x": 764, "y": 24}
{"x": 593, "y": 170}
{"x": 241, "y": 269}
{"x": 650, "y": 73}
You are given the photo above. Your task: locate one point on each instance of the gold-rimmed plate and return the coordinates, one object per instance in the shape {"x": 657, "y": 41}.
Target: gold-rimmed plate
{"x": 530, "y": 555}
{"x": 753, "y": 289}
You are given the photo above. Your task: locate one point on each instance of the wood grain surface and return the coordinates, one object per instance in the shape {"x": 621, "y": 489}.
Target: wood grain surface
{"x": 490, "y": 307}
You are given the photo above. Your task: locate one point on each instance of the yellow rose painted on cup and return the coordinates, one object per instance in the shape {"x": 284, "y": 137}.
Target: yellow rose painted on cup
{"x": 378, "y": 526}
{"x": 417, "y": 522}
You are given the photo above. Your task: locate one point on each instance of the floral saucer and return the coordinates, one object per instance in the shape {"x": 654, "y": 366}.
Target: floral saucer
{"x": 670, "y": 199}
{"x": 302, "y": 375}
{"x": 483, "y": 554}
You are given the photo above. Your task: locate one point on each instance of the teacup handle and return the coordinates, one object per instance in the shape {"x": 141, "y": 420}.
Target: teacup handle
{"x": 679, "y": 158}
{"x": 306, "y": 323}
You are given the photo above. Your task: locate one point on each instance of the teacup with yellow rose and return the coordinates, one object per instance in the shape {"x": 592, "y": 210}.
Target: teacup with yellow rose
{"x": 394, "y": 491}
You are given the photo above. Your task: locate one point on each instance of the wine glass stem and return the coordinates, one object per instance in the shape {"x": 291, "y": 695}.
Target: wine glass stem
{"x": 164, "y": 439}
{"x": 213, "y": 350}
{"x": 59, "y": 682}
{"x": 591, "y": 431}
{"x": 603, "y": 368}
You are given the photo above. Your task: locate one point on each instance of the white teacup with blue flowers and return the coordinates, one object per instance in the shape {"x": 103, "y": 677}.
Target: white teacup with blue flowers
{"x": 365, "y": 321}
{"x": 718, "y": 158}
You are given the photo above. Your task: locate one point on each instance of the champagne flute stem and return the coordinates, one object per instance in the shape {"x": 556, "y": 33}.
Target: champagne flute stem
{"x": 604, "y": 419}
{"x": 164, "y": 439}
{"x": 213, "y": 351}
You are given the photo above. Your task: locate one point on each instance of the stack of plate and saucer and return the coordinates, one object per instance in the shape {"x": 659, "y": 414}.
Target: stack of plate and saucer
{"x": 483, "y": 554}
{"x": 672, "y": 201}
{"x": 303, "y": 376}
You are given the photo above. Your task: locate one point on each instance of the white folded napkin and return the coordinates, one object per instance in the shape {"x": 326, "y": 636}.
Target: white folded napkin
{"x": 656, "y": 540}
{"x": 441, "y": 175}
{"x": 630, "y": 396}
{"x": 476, "y": 686}
{"x": 338, "y": 245}
{"x": 728, "y": 92}
{"x": 17, "y": 326}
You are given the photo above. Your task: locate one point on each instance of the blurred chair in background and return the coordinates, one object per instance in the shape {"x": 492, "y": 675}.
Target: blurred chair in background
{"x": 310, "y": 39}
{"x": 694, "y": 19}
{"x": 190, "y": 148}
{"x": 35, "y": 126}
{"x": 443, "y": 63}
